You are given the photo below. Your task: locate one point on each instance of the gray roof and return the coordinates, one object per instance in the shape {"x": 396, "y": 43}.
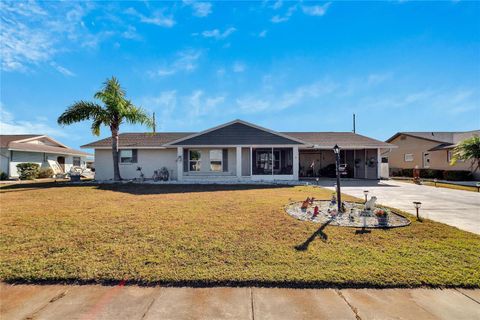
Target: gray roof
{"x": 343, "y": 139}
{"x": 324, "y": 139}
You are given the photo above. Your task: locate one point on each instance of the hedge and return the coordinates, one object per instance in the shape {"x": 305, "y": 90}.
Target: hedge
{"x": 457, "y": 175}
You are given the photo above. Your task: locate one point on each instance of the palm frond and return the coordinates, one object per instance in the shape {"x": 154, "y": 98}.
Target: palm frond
{"x": 134, "y": 115}
{"x": 80, "y": 111}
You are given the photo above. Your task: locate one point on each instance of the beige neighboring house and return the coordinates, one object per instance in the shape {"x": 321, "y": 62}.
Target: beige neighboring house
{"x": 40, "y": 149}
{"x": 428, "y": 150}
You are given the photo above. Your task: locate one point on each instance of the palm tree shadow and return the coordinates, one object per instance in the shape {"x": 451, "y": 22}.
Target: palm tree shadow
{"x": 319, "y": 233}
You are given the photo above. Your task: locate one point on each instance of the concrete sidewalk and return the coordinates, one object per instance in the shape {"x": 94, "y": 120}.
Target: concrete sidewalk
{"x": 133, "y": 302}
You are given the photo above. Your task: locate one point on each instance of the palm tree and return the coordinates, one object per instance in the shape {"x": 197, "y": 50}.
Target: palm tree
{"x": 115, "y": 110}
{"x": 468, "y": 149}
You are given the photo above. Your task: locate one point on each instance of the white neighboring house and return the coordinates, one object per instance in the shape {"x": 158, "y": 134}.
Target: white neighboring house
{"x": 240, "y": 151}
{"x": 22, "y": 148}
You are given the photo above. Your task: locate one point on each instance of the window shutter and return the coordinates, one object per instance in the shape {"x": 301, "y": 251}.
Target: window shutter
{"x": 185, "y": 160}
{"x": 225, "y": 160}
{"x": 134, "y": 155}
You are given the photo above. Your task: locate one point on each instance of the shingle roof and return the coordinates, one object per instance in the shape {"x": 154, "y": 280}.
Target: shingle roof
{"x": 11, "y": 142}
{"x": 5, "y": 139}
{"x": 451, "y": 137}
{"x": 322, "y": 139}
{"x": 343, "y": 139}
{"x": 33, "y": 147}
{"x": 140, "y": 139}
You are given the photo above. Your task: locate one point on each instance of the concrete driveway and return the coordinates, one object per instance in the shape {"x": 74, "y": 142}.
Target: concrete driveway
{"x": 457, "y": 208}
{"x": 92, "y": 302}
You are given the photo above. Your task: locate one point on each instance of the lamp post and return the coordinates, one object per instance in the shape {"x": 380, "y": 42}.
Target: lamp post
{"x": 336, "y": 150}
{"x": 417, "y": 205}
{"x": 478, "y": 186}
{"x": 365, "y": 192}
{"x": 435, "y": 182}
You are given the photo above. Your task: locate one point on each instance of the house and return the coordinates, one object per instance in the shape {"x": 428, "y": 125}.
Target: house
{"x": 428, "y": 150}
{"x": 239, "y": 150}
{"x": 40, "y": 149}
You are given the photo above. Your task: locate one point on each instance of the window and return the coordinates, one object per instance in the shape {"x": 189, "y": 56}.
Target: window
{"x": 450, "y": 157}
{"x": 408, "y": 157}
{"x": 76, "y": 161}
{"x": 128, "y": 156}
{"x": 194, "y": 160}
{"x": 216, "y": 157}
{"x": 278, "y": 161}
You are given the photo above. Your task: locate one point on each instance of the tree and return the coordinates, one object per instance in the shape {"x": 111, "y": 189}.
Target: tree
{"x": 116, "y": 109}
{"x": 468, "y": 149}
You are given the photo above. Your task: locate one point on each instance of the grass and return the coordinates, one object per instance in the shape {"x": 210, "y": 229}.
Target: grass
{"x": 441, "y": 185}
{"x": 214, "y": 235}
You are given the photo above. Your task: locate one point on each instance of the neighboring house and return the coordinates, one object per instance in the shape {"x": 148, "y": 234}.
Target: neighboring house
{"x": 21, "y": 148}
{"x": 428, "y": 150}
{"x": 238, "y": 150}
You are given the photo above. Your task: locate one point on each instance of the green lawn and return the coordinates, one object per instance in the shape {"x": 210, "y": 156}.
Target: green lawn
{"x": 207, "y": 235}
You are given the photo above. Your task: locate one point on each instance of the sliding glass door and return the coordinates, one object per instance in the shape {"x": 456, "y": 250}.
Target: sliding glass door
{"x": 272, "y": 161}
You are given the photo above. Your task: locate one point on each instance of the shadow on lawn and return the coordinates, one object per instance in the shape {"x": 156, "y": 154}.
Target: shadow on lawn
{"x": 319, "y": 233}
{"x": 141, "y": 189}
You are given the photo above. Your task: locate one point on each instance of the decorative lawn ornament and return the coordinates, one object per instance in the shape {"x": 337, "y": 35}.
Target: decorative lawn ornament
{"x": 370, "y": 204}
{"x": 315, "y": 212}
{"x": 305, "y": 204}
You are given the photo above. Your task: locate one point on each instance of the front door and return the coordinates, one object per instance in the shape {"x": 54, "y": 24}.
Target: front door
{"x": 61, "y": 162}
{"x": 426, "y": 160}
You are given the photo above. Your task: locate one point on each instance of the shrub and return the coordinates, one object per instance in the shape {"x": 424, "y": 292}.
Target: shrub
{"x": 28, "y": 170}
{"x": 3, "y": 176}
{"x": 45, "y": 173}
{"x": 407, "y": 172}
{"x": 460, "y": 175}
{"x": 431, "y": 174}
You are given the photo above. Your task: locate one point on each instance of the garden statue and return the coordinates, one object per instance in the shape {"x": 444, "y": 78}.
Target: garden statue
{"x": 305, "y": 204}
{"x": 334, "y": 199}
{"x": 370, "y": 204}
{"x": 315, "y": 212}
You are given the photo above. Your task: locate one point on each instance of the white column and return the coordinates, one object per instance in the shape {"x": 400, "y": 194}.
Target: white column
{"x": 179, "y": 163}
{"x": 296, "y": 163}
{"x": 239, "y": 162}
{"x": 379, "y": 164}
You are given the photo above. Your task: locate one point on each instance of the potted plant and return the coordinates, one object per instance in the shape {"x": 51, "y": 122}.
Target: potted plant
{"x": 382, "y": 217}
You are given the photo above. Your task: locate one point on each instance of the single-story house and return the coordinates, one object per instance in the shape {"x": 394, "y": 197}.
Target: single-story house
{"x": 428, "y": 150}
{"x": 239, "y": 150}
{"x": 40, "y": 149}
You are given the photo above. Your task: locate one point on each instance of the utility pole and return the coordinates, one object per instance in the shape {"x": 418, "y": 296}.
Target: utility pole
{"x": 154, "y": 124}
{"x": 354, "y": 123}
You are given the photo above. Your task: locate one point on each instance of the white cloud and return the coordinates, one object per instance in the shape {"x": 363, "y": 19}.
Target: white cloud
{"x": 186, "y": 61}
{"x": 131, "y": 33}
{"x": 318, "y": 10}
{"x": 277, "y": 5}
{"x": 200, "y": 9}
{"x": 62, "y": 70}
{"x": 286, "y": 17}
{"x": 158, "y": 18}
{"x": 217, "y": 34}
{"x": 9, "y": 125}
{"x": 262, "y": 34}
{"x": 238, "y": 67}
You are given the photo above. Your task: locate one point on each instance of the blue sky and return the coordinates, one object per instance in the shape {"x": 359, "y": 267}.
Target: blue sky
{"x": 289, "y": 66}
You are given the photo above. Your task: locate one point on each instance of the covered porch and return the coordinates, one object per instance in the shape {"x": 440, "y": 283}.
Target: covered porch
{"x": 357, "y": 163}
{"x": 255, "y": 163}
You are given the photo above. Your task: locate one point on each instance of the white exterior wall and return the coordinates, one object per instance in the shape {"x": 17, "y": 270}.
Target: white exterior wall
{"x": 149, "y": 159}
{"x": 38, "y": 158}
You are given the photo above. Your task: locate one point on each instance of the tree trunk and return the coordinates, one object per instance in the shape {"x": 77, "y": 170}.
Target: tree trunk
{"x": 116, "y": 168}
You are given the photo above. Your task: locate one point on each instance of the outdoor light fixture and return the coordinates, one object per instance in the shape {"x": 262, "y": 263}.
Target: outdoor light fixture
{"x": 435, "y": 181}
{"x": 365, "y": 192}
{"x": 336, "y": 150}
{"x": 417, "y": 205}
{"x": 478, "y": 186}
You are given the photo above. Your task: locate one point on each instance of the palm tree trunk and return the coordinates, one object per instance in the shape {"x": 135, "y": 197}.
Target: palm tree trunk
{"x": 116, "y": 168}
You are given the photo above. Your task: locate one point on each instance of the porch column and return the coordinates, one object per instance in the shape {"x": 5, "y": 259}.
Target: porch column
{"x": 180, "y": 163}
{"x": 379, "y": 164}
{"x": 239, "y": 162}
{"x": 296, "y": 163}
